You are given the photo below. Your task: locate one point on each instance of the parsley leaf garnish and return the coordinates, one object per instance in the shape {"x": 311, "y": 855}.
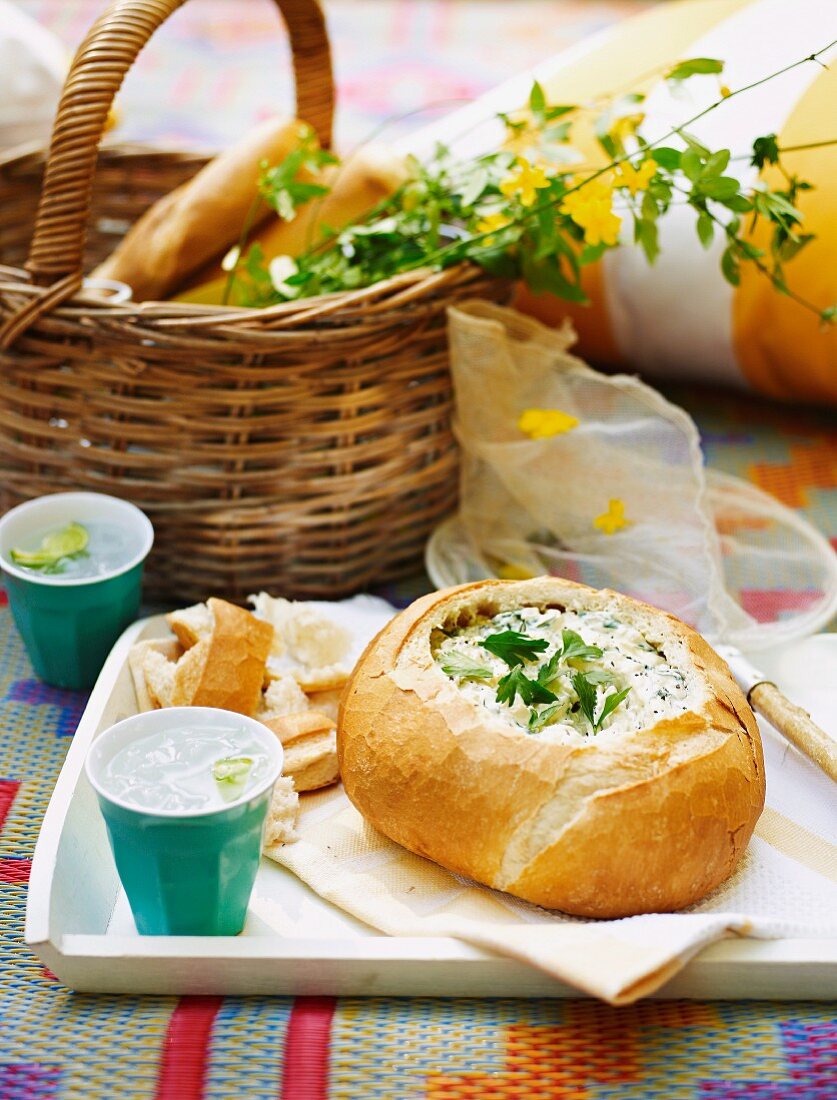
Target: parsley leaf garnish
{"x": 548, "y": 672}
{"x": 541, "y": 718}
{"x": 610, "y": 704}
{"x": 586, "y": 692}
{"x": 576, "y": 649}
{"x": 517, "y": 683}
{"x": 464, "y": 667}
{"x": 513, "y": 647}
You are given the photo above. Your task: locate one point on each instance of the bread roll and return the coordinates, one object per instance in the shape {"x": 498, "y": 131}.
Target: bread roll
{"x": 182, "y": 232}
{"x": 648, "y": 814}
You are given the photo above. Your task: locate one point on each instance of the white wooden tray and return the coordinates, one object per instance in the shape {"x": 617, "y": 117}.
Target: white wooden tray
{"x": 79, "y": 923}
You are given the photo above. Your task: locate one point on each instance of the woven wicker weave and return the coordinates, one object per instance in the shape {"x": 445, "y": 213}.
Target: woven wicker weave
{"x": 305, "y": 447}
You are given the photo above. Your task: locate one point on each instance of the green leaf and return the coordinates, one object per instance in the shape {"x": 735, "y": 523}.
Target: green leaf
{"x": 765, "y": 151}
{"x": 729, "y": 266}
{"x": 696, "y": 66}
{"x": 739, "y": 204}
{"x": 513, "y": 647}
{"x": 517, "y": 683}
{"x": 574, "y": 648}
{"x": 649, "y": 207}
{"x": 541, "y": 718}
{"x": 464, "y": 667}
{"x": 691, "y": 165}
{"x": 588, "y": 700}
{"x": 474, "y": 187}
{"x": 548, "y": 672}
{"x": 591, "y": 253}
{"x": 716, "y": 164}
{"x": 544, "y": 275}
{"x": 667, "y": 157}
{"x": 610, "y": 704}
{"x": 693, "y": 143}
{"x": 551, "y": 113}
{"x": 586, "y": 693}
{"x": 705, "y": 229}
{"x": 647, "y": 236}
{"x": 537, "y": 99}
{"x": 718, "y": 187}
{"x": 829, "y": 315}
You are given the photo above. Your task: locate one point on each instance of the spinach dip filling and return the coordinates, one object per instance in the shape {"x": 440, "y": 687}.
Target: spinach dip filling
{"x": 562, "y": 675}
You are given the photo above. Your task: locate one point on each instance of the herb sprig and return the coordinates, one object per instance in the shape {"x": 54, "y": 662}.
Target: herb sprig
{"x": 588, "y": 700}
{"x": 513, "y": 647}
{"x": 534, "y": 210}
{"x": 463, "y": 667}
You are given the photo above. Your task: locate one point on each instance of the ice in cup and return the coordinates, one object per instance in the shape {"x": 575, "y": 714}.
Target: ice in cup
{"x": 184, "y": 792}
{"x": 72, "y": 564}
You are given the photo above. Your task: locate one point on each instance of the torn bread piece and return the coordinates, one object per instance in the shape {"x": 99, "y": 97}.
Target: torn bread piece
{"x": 191, "y": 624}
{"x": 282, "y": 696}
{"x": 307, "y": 644}
{"x": 152, "y": 665}
{"x": 310, "y": 743}
{"x": 280, "y": 826}
{"x": 326, "y": 702}
{"x": 225, "y": 669}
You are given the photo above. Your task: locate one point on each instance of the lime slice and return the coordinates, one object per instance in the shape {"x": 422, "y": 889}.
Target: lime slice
{"x": 64, "y": 543}
{"x": 230, "y": 773}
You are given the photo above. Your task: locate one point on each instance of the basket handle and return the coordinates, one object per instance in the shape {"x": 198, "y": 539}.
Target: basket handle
{"x": 96, "y": 74}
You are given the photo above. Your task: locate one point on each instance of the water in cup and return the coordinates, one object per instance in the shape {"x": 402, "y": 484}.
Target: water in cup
{"x": 195, "y": 770}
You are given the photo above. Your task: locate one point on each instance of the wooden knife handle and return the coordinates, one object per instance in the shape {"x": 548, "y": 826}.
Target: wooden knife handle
{"x": 796, "y": 725}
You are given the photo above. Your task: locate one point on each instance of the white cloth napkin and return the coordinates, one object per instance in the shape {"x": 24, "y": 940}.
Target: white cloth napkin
{"x": 785, "y": 887}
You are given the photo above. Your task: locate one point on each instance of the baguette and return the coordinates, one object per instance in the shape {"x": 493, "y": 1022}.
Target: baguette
{"x": 184, "y": 230}
{"x": 647, "y": 814}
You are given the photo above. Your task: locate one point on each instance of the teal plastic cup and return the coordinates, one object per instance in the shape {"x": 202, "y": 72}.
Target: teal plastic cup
{"x": 186, "y": 873}
{"x": 69, "y": 624}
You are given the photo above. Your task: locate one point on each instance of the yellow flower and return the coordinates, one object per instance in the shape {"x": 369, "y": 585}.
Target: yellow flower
{"x": 492, "y": 222}
{"x": 613, "y": 519}
{"x": 626, "y": 126}
{"x": 524, "y": 182}
{"x": 637, "y": 179}
{"x": 511, "y": 572}
{"x": 591, "y": 209}
{"x": 545, "y": 423}
{"x": 725, "y": 92}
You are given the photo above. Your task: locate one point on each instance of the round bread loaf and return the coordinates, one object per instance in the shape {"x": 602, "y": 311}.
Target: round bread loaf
{"x": 646, "y": 809}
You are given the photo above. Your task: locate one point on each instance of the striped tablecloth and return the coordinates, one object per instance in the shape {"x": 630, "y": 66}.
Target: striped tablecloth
{"x": 54, "y": 1043}
{"x": 203, "y": 78}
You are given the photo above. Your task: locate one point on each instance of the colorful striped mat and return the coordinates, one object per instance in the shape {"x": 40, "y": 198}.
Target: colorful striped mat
{"x": 205, "y": 78}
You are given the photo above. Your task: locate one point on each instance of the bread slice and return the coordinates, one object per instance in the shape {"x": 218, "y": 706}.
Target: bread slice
{"x": 280, "y": 825}
{"x": 628, "y": 820}
{"x": 307, "y": 644}
{"x": 310, "y": 743}
{"x": 152, "y": 665}
{"x": 225, "y": 669}
{"x": 191, "y": 624}
{"x": 282, "y": 696}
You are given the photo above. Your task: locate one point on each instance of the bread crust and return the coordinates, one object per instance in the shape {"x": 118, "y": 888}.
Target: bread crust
{"x": 225, "y": 669}
{"x": 648, "y": 822}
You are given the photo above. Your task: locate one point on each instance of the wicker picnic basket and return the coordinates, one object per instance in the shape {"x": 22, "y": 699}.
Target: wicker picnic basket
{"x": 305, "y": 448}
